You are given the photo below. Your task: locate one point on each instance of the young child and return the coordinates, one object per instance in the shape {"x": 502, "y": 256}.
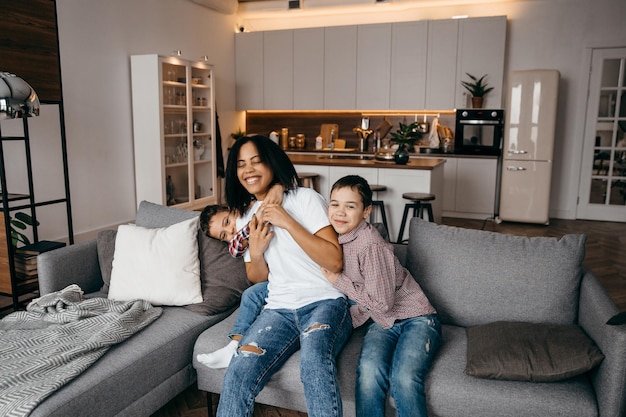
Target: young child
{"x": 403, "y": 329}
{"x": 219, "y": 222}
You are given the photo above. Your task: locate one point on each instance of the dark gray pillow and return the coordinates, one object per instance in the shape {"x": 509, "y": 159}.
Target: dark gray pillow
{"x": 223, "y": 277}
{"x": 520, "y": 351}
{"x": 106, "y": 248}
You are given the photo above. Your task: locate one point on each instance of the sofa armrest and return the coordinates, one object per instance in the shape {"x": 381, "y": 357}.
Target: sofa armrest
{"x": 609, "y": 379}
{"x": 74, "y": 264}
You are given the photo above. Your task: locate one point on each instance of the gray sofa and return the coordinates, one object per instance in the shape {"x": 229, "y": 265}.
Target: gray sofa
{"x": 475, "y": 278}
{"x": 140, "y": 375}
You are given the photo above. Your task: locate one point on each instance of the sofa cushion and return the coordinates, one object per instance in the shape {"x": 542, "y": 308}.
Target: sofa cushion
{"x": 476, "y": 277}
{"x": 452, "y": 393}
{"x": 156, "y": 215}
{"x": 105, "y": 243}
{"x": 158, "y": 265}
{"x": 520, "y": 351}
{"x": 223, "y": 277}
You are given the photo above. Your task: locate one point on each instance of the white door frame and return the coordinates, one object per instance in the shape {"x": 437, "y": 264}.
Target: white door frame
{"x": 588, "y": 123}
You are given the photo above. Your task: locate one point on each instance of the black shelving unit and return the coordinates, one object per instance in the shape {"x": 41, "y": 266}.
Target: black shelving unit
{"x": 12, "y": 202}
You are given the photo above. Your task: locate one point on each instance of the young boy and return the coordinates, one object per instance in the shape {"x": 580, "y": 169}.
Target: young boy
{"x": 403, "y": 330}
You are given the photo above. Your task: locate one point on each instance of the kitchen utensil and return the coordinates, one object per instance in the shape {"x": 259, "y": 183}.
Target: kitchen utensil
{"x": 383, "y": 128}
{"x": 325, "y": 131}
{"x": 423, "y": 126}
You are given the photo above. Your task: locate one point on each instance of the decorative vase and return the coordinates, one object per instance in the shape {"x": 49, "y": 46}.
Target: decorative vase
{"x": 477, "y": 102}
{"x": 402, "y": 155}
{"x": 198, "y": 152}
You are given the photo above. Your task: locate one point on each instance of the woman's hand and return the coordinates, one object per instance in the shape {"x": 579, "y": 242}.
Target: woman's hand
{"x": 260, "y": 236}
{"x": 322, "y": 246}
{"x": 330, "y": 275}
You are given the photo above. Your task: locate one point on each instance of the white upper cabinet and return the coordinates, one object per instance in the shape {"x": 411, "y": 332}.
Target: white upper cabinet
{"x": 397, "y": 66}
{"x": 249, "y": 70}
{"x": 340, "y": 46}
{"x": 409, "y": 41}
{"x": 441, "y": 64}
{"x": 278, "y": 70}
{"x": 482, "y": 43}
{"x": 373, "y": 70}
{"x": 308, "y": 69}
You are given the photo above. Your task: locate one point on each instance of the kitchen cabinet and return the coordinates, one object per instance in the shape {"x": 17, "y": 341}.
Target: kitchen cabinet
{"x": 460, "y": 46}
{"x": 407, "y": 90}
{"x": 373, "y": 71}
{"x": 324, "y": 180}
{"x": 402, "y": 65}
{"x": 340, "y": 65}
{"x": 308, "y": 69}
{"x": 174, "y": 131}
{"x": 475, "y": 188}
{"x": 277, "y": 70}
{"x": 249, "y": 70}
{"x": 441, "y": 64}
{"x": 482, "y": 44}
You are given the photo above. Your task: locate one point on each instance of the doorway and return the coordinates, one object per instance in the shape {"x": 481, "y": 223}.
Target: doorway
{"x": 602, "y": 189}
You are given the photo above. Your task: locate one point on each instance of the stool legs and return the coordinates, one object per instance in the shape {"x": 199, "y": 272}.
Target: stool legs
{"x": 380, "y": 204}
{"x": 418, "y": 211}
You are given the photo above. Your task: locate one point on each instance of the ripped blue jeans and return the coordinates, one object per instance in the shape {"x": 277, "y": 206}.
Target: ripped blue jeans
{"x": 319, "y": 330}
{"x": 396, "y": 360}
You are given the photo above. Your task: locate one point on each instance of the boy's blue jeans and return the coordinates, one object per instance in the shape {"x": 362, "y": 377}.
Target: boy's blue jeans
{"x": 396, "y": 360}
{"x": 252, "y": 302}
{"x": 319, "y": 330}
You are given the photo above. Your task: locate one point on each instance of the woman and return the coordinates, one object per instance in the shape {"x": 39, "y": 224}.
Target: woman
{"x": 303, "y": 310}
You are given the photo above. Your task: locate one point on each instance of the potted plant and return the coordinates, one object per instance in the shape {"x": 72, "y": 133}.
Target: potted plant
{"x": 478, "y": 88}
{"x": 21, "y": 222}
{"x": 405, "y": 136}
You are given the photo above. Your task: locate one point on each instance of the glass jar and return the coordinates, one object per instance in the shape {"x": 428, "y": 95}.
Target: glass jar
{"x": 300, "y": 141}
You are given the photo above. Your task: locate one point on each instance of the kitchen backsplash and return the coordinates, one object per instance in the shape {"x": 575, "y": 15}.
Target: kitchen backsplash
{"x": 309, "y": 123}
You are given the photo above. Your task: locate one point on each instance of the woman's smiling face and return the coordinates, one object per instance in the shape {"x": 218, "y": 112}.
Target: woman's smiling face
{"x": 253, "y": 173}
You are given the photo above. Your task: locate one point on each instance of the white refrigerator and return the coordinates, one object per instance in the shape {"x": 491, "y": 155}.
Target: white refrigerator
{"x": 529, "y": 130}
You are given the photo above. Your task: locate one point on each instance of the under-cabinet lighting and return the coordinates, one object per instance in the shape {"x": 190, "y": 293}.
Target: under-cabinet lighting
{"x": 460, "y": 16}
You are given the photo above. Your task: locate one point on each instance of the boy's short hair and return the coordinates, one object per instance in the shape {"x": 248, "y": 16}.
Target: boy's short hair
{"x": 207, "y": 214}
{"x": 358, "y": 183}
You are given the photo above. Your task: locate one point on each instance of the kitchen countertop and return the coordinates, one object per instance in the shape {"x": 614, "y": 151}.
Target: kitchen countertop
{"x": 412, "y": 155}
{"x": 340, "y": 159}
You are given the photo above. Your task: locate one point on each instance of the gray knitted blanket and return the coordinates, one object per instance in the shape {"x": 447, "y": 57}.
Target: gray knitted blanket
{"x": 58, "y": 337}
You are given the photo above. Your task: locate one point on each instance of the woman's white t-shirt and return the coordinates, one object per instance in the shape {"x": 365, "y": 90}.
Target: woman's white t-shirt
{"x": 295, "y": 280}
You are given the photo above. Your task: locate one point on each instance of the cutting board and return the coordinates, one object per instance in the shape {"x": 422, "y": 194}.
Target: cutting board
{"x": 325, "y": 133}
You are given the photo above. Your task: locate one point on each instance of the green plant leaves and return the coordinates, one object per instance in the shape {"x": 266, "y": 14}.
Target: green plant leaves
{"x": 477, "y": 87}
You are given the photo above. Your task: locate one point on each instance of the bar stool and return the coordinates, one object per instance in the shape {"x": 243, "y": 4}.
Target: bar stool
{"x": 380, "y": 204}
{"x": 309, "y": 180}
{"x": 419, "y": 202}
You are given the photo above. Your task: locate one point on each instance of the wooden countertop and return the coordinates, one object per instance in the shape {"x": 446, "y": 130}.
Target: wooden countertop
{"x": 340, "y": 160}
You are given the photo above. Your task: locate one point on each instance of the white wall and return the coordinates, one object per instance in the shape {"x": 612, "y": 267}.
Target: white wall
{"x": 96, "y": 40}
{"x": 97, "y": 37}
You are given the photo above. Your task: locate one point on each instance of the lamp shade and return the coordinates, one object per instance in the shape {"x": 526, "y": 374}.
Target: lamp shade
{"x": 17, "y": 97}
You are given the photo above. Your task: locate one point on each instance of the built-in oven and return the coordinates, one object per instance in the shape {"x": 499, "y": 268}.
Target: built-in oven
{"x": 479, "y": 131}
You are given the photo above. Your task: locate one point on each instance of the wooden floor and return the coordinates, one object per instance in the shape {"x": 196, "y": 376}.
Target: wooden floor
{"x": 605, "y": 256}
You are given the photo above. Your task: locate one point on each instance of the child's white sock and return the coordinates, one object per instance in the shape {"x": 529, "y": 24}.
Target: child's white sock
{"x": 221, "y": 357}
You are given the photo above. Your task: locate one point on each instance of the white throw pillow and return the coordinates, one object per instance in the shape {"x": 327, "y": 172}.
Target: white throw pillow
{"x": 158, "y": 265}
